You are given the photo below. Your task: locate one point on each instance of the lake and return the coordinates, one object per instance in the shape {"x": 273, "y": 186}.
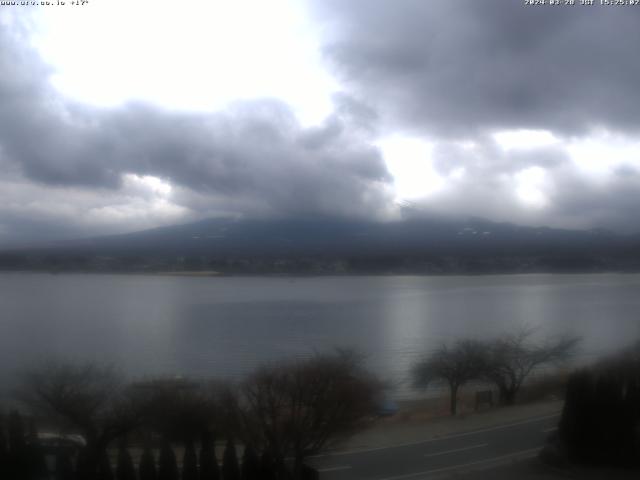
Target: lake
{"x": 225, "y": 326}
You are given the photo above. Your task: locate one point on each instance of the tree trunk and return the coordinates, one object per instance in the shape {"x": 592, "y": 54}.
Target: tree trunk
{"x": 280, "y": 467}
{"x": 453, "y": 401}
{"x": 88, "y": 460}
{"x": 507, "y": 396}
{"x": 510, "y": 397}
{"x": 297, "y": 467}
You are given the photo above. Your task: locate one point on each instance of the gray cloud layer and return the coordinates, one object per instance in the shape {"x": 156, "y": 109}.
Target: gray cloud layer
{"x": 447, "y": 71}
{"x": 453, "y": 71}
{"x": 457, "y": 67}
{"x": 252, "y": 159}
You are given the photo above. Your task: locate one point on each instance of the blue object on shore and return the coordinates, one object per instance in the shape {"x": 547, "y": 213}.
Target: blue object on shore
{"x": 387, "y": 407}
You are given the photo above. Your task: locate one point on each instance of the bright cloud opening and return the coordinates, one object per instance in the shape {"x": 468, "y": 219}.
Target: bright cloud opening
{"x": 524, "y": 139}
{"x": 530, "y": 185}
{"x": 599, "y": 156}
{"x": 142, "y": 198}
{"x": 147, "y": 184}
{"x": 192, "y": 54}
{"x": 409, "y": 161}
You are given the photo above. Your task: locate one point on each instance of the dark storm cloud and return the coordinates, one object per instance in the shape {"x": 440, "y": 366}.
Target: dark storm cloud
{"x": 52, "y": 141}
{"x": 580, "y": 201}
{"x": 254, "y": 156}
{"x": 451, "y": 72}
{"x": 485, "y": 180}
{"x": 457, "y": 72}
{"x": 459, "y": 67}
{"x": 254, "y": 150}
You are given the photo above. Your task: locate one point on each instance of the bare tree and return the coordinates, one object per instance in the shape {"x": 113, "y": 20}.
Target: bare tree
{"x": 298, "y": 409}
{"x": 454, "y": 365}
{"x": 87, "y": 398}
{"x": 512, "y": 358}
{"x": 177, "y": 408}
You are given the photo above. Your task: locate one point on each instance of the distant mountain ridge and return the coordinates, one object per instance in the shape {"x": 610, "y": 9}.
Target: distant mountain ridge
{"x": 419, "y": 244}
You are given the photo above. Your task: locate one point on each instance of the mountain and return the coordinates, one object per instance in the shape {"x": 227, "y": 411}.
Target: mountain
{"x": 330, "y": 245}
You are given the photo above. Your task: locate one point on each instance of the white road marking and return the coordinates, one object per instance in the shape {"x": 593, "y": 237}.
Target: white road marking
{"x": 463, "y": 465}
{"x": 334, "y": 469}
{"x": 456, "y": 450}
{"x": 548, "y": 430}
{"x": 437, "y": 439}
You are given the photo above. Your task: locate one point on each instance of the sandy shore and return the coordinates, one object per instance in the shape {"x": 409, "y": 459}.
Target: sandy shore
{"x": 418, "y": 421}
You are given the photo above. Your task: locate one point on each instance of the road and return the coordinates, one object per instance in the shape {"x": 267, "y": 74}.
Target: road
{"x": 433, "y": 458}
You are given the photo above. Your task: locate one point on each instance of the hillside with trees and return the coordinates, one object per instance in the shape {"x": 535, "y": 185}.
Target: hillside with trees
{"x": 337, "y": 246}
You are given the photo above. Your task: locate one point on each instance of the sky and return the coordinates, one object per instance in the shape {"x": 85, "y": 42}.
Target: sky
{"x": 117, "y": 116}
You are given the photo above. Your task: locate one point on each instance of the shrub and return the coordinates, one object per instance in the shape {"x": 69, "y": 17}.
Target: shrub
{"x": 230, "y": 467}
{"x": 147, "y": 467}
{"x": 64, "y": 467}
{"x": 105, "y": 472}
{"x": 600, "y": 421}
{"x": 189, "y": 463}
{"x": 250, "y": 464}
{"x": 168, "y": 467}
{"x": 208, "y": 462}
{"x": 125, "y": 469}
{"x": 4, "y": 452}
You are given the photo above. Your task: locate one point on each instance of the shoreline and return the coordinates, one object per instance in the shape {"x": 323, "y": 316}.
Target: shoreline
{"x": 215, "y": 273}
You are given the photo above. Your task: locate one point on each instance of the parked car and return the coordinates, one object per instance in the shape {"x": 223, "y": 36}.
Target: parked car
{"x": 53, "y": 443}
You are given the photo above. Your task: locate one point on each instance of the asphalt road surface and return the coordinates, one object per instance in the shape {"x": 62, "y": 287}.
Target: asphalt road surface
{"x": 436, "y": 457}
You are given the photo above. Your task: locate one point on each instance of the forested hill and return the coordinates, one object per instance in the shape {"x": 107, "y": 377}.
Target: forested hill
{"x": 339, "y": 246}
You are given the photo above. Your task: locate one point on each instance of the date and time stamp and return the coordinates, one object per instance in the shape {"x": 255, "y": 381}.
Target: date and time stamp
{"x": 44, "y": 3}
{"x": 583, "y": 3}
{"x": 527, "y": 3}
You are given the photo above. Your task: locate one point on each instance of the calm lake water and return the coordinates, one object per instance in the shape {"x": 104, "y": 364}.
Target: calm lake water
{"x": 225, "y": 326}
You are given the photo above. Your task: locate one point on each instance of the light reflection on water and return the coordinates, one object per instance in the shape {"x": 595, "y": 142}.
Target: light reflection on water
{"x": 226, "y": 326}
